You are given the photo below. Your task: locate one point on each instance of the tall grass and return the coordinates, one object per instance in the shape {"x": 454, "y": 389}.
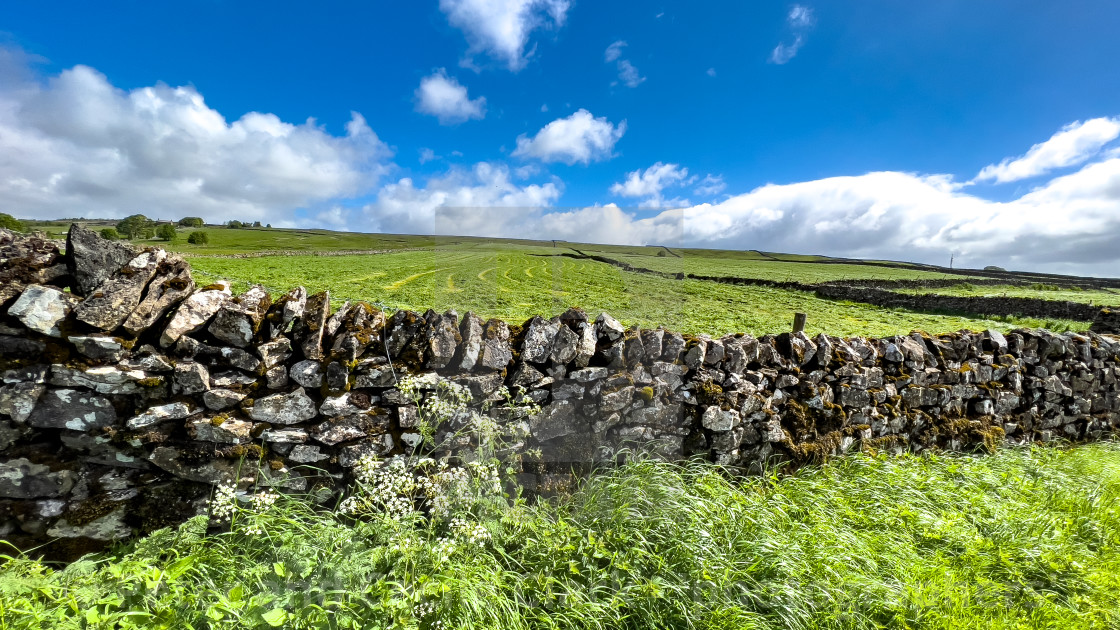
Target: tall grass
{"x": 1025, "y": 538}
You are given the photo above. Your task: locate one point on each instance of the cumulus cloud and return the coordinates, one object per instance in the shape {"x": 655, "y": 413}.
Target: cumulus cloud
{"x": 1073, "y": 144}
{"x": 628, "y": 74}
{"x": 580, "y": 137}
{"x": 501, "y": 28}
{"x": 799, "y": 20}
{"x": 445, "y": 98}
{"x": 75, "y": 145}
{"x": 711, "y": 72}
{"x": 428, "y": 155}
{"x": 651, "y": 182}
{"x": 478, "y": 201}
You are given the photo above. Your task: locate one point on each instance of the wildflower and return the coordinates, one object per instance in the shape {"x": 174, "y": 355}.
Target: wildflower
{"x": 224, "y": 505}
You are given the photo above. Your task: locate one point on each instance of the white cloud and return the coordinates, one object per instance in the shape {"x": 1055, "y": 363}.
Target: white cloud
{"x": 782, "y": 53}
{"x": 1075, "y": 143}
{"x": 651, "y": 182}
{"x": 481, "y": 201}
{"x": 799, "y": 19}
{"x": 501, "y": 28}
{"x": 710, "y": 185}
{"x": 544, "y": 108}
{"x": 443, "y": 97}
{"x": 614, "y": 51}
{"x": 578, "y": 138}
{"x": 428, "y": 155}
{"x": 628, "y": 74}
{"x": 711, "y": 72}
{"x": 77, "y": 145}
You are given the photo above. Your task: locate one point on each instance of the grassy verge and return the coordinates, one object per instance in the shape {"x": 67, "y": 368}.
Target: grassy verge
{"x": 1019, "y": 539}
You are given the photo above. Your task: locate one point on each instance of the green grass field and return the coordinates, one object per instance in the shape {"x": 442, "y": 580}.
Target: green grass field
{"x": 1098, "y": 297}
{"x": 515, "y": 279}
{"x": 515, "y": 282}
{"x": 1018, "y": 539}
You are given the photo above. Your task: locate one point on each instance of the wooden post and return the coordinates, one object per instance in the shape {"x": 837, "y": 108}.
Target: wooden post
{"x": 799, "y": 322}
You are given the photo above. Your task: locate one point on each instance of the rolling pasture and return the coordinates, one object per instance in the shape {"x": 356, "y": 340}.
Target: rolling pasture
{"x": 514, "y": 280}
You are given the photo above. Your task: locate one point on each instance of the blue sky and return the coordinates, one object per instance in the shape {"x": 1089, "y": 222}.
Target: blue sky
{"x": 856, "y": 129}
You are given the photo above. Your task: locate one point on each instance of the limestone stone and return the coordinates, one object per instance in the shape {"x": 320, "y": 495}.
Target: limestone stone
{"x": 374, "y": 374}
{"x": 284, "y": 436}
{"x": 22, "y": 479}
{"x": 496, "y": 353}
{"x": 191, "y": 378}
{"x": 43, "y": 309}
{"x": 585, "y": 348}
{"x": 237, "y": 320}
{"x": 238, "y": 358}
{"x": 305, "y": 454}
{"x": 159, "y": 413}
{"x": 226, "y": 431}
{"x": 556, "y": 420}
{"x": 607, "y": 326}
{"x": 99, "y": 347}
{"x": 470, "y": 331}
{"x": 213, "y": 471}
{"x": 111, "y": 526}
{"x": 220, "y": 399}
{"x": 565, "y": 346}
{"x": 717, "y": 419}
{"x": 345, "y": 404}
{"x": 442, "y": 340}
{"x": 194, "y": 313}
{"x": 231, "y": 378}
{"x": 276, "y": 377}
{"x": 361, "y": 327}
{"x": 171, "y": 285}
{"x": 539, "y": 335}
{"x": 338, "y": 376}
{"x": 308, "y": 374}
{"x": 72, "y": 409}
{"x": 290, "y": 408}
{"x": 275, "y": 352}
{"x": 17, "y": 400}
{"x": 351, "y": 427}
{"x": 92, "y": 259}
{"x": 349, "y": 456}
{"x": 309, "y": 332}
{"x": 106, "y": 379}
{"x": 286, "y": 311}
{"x": 118, "y": 296}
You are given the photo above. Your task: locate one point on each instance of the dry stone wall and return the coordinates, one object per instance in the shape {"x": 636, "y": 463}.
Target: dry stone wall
{"x": 127, "y": 392}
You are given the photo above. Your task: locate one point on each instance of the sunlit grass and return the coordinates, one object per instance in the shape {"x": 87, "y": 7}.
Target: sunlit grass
{"x": 1019, "y": 539}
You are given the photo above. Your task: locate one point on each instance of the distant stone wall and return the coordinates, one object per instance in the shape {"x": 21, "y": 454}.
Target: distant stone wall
{"x": 127, "y": 392}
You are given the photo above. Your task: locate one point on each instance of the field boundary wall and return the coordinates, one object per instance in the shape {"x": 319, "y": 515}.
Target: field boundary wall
{"x": 127, "y": 392}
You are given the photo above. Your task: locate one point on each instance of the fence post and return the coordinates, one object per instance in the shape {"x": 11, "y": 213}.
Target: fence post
{"x": 799, "y": 322}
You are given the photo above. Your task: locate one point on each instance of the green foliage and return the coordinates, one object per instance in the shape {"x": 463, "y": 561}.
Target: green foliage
{"x": 191, "y": 222}
{"x": 136, "y": 226}
{"x": 110, "y": 234}
{"x": 1025, "y": 538}
{"x": 198, "y": 237}
{"x": 166, "y": 232}
{"x": 994, "y": 268}
{"x": 235, "y": 224}
{"x": 8, "y": 222}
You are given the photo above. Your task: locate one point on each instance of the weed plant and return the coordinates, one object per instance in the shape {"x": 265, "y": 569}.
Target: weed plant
{"x": 1024, "y": 538}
